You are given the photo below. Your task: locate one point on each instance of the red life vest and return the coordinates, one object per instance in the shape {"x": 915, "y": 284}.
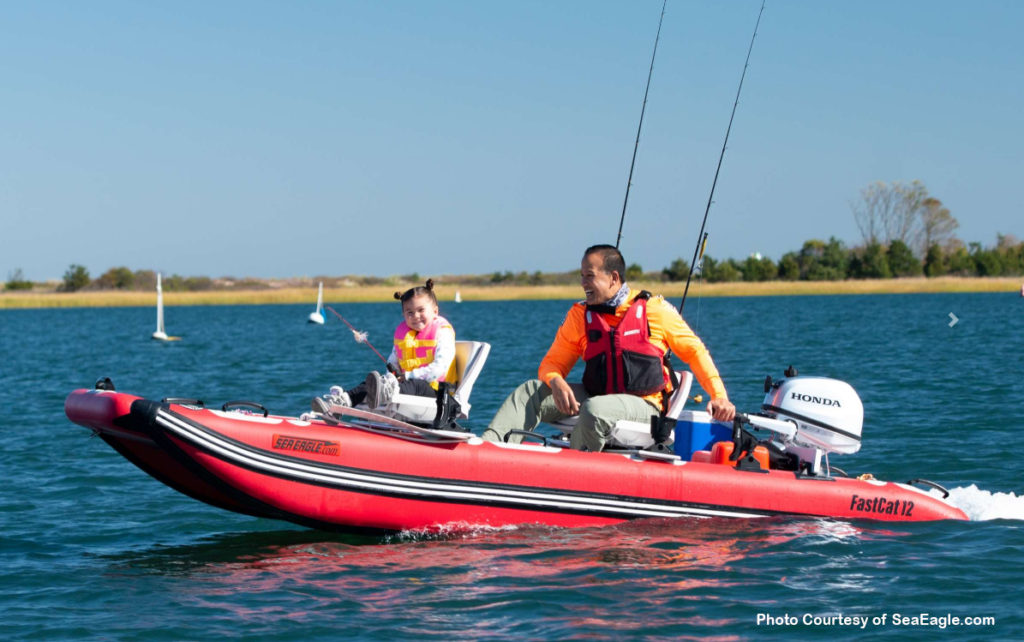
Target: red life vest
{"x": 623, "y": 359}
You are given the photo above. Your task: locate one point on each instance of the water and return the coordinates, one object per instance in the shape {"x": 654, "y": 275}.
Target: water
{"x": 93, "y": 548}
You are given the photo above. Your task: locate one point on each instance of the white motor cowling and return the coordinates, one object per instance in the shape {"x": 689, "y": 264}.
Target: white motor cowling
{"x": 828, "y": 413}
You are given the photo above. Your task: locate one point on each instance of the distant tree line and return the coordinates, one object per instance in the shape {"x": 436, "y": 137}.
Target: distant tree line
{"x": 832, "y": 261}
{"x": 905, "y": 233}
{"x": 77, "y": 277}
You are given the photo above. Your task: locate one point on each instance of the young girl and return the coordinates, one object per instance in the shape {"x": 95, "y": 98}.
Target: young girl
{"x": 423, "y": 355}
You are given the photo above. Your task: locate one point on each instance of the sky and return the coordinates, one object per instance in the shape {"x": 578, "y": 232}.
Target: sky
{"x": 291, "y": 139}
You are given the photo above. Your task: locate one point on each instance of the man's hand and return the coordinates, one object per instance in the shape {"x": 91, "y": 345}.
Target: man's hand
{"x": 721, "y": 409}
{"x": 563, "y": 397}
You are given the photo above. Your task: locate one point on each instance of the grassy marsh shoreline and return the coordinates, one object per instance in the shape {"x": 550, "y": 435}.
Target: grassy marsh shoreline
{"x": 381, "y": 293}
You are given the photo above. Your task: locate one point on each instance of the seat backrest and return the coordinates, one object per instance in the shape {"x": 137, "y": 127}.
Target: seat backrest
{"x": 680, "y": 394}
{"x": 469, "y": 361}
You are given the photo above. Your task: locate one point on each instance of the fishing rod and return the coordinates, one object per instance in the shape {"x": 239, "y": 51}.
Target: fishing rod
{"x": 360, "y": 337}
{"x": 643, "y": 108}
{"x": 702, "y": 237}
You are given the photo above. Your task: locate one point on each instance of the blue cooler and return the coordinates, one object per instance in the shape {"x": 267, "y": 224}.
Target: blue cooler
{"x": 695, "y": 430}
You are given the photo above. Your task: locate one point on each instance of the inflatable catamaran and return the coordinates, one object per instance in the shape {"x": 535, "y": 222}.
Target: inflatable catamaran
{"x": 410, "y": 467}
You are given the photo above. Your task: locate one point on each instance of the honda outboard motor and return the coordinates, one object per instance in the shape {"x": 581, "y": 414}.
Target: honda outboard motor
{"x": 808, "y": 418}
{"x": 827, "y": 412}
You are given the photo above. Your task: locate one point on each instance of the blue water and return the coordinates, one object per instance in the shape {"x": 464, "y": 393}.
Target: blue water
{"x": 93, "y": 548}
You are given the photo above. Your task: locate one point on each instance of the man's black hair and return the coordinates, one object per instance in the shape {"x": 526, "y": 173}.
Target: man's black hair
{"x": 611, "y": 259}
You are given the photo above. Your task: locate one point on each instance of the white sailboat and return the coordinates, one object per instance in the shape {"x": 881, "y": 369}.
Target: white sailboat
{"x": 161, "y": 334}
{"x": 318, "y": 315}
{"x": 458, "y": 297}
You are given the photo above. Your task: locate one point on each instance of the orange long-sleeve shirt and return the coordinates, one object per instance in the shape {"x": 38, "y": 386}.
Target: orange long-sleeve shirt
{"x": 668, "y": 332}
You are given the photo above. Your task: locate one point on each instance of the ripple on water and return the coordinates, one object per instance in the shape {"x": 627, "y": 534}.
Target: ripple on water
{"x": 95, "y": 548}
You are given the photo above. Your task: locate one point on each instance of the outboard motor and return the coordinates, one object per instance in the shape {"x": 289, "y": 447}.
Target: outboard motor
{"x": 809, "y": 417}
{"x": 827, "y": 412}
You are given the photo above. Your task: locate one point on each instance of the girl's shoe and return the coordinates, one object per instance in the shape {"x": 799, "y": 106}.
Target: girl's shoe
{"x": 380, "y": 389}
{"x": 339, "y": 397}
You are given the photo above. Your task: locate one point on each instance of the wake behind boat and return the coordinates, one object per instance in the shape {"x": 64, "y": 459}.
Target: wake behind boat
{"x": 366, "y": 471}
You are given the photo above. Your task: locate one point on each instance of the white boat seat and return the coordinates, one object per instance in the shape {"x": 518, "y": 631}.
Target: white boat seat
{"x": 637, "y": 434}
{"x": 469, "y": 361}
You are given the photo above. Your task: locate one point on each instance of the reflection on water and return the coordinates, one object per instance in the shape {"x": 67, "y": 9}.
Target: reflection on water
{"x": 524, "y": 551}
{"x": 670, "y": 571}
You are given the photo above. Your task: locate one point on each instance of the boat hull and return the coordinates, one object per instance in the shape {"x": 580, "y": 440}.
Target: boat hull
{"x": 364, "y": 478}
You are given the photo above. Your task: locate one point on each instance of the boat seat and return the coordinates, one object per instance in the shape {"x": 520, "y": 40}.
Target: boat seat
{"x": 469, "y": 361}
{"x": 637, "y": 434}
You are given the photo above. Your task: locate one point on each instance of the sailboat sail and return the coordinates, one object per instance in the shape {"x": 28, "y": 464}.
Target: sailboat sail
{"x": 160, "y": 334}
{"x": 318, "y": 315}
{"x": 159, "y": 307}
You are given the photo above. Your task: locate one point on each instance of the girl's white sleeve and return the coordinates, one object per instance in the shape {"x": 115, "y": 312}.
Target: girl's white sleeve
{"x": 444, "y": 354}
{"x": 393, "y": 358}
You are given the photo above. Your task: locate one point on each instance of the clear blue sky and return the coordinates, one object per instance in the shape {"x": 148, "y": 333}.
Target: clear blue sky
{"x": 278, "y": 139}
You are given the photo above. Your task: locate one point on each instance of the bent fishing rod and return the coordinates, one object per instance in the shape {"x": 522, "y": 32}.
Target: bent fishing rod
{"x": 360, "y": 337}
{"x": 643, "y": 108}
{"x": 702, "y": 236}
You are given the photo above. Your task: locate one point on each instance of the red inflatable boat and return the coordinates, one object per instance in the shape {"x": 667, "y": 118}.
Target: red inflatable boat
{"x": 364, "y": 472}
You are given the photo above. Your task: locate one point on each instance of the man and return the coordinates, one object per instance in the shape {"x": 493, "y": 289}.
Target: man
{"x": 627, "y": 374}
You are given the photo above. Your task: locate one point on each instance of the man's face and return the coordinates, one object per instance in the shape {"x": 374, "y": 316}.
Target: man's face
{"x": 598, "y": 285}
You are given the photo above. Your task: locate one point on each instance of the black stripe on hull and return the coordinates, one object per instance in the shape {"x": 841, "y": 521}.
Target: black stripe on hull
{"x": 170, "y": 481}
{"x": 451, "y": 491}
{"x": 142, "y": 419}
